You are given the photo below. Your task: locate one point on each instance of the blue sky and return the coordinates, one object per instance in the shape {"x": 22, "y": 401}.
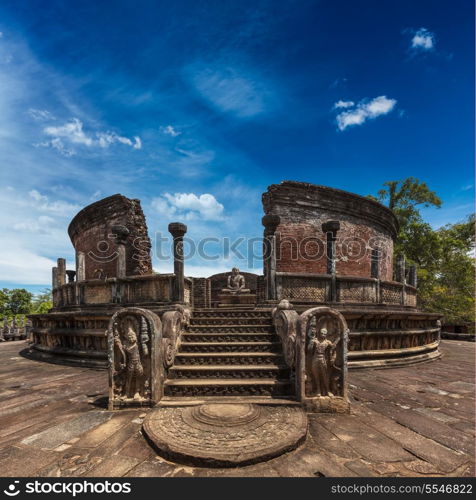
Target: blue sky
{"x": 195, "y": 107}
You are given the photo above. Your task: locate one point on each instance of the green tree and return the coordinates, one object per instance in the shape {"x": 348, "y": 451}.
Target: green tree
{"x": 444, "y": 256}
{"x": 42, "y": 302}
{"x": 450, "y": 289}
{"x": 19, "y": 301}
{"x": 405, "y": 198}
{"x": 4, "y": 302}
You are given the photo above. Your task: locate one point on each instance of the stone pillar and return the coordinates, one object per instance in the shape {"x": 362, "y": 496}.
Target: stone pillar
{"x": 177, "y": 230}
{"x": 412, "y": 275}
{"x": 374, "y": 263}
{"x": 270, "y": 223}
{"x": 54, "y": 277}
{"x": 330, "y": 228}
{"x": 400, "y": 269}
{"x": 61, "y": 276}
{"x": 121, "y": 233}
{"x": 80, "y": 266}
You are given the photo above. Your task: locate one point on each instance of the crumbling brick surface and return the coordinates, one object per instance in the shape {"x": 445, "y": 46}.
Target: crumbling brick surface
{"x": 91, "y": 232}
{"x": 301, "y": 243}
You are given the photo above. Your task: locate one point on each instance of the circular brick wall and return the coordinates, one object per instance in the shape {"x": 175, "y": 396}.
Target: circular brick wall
{"x": 301, "y": 242}
{"x": 91, "y": 232}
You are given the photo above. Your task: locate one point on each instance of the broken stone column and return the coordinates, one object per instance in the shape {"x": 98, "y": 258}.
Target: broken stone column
{"x": 330, "y": 228}
{"x": 270, "y": 223}
{"x": 54, "y": 277}
{"x": 177, "y": 230}
{"x": 61, "y": 277}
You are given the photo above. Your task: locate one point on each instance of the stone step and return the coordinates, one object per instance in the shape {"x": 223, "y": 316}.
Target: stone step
{"x": 241, "y": 372}
{"x": 228, "y": 358}
{"x": 229, "y": 337}
{"x": 234, "y": 320}
{"x": 230, "y": 313}
{"x": 224, "y": 347}
{"x": 231, "y": 328}
{"x": 227, "y": 387}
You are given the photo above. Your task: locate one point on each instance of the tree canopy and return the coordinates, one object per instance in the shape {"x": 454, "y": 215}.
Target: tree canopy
{"x": 18, "y": 301}
{"x": 444, "y": 256}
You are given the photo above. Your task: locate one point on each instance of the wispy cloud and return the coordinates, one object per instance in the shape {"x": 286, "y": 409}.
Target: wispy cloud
{"x": 59, "y": 207}
{"x": 233, "y": 91}
{"x": 423, "y": 40}
{"x": 42, "y": 115}
{"x": 170, "y": 130}
{"x": 365, "y": 110}
{"x": 189, "y": 206}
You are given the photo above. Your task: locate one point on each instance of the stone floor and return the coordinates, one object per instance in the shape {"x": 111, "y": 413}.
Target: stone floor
{"x": 411, "y": 421}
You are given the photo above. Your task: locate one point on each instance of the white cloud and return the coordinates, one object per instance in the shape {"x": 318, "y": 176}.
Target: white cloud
{"x": 58, "y": 207}
{"x": 40, "y": 225}
{"x": 343, "y": 104}
{"x": 73, "y": 133}
{"x": 423, "y": 39}
{"x": 170, "y": 130}
{"x": 365, "y": 110}
{"x": 189, "y": 206}
{"x": 40, "y": 114}
{"x": 105, "y": 139}
{"x": 23, "y": 266}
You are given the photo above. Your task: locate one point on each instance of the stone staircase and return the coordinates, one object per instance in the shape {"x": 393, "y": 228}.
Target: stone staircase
{"x": 229, "y": 352}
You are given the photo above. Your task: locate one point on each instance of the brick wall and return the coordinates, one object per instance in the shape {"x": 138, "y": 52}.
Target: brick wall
{"x": 301, "y": 243}
{"x": 91, "y": 232}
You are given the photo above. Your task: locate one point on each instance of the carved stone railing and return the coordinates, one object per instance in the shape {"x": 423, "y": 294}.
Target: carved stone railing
{"x": 130, "y": 290}
{"x": 285, "y": 320}
{"x": 321, "y": 361}
{"x": 174, "y": 323}
{"x": 141, "y": 349}
{"x": 317, "y": 289}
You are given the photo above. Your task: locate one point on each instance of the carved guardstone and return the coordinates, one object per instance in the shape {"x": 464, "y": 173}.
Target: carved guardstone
{"x": 135, "y": 361}
{"x": 321, "y": 361}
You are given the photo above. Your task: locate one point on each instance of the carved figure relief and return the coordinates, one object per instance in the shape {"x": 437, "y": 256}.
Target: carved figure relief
{"x": 131, "y": 358}
{"x": 130, "y": 363}
{"x": 322, "y": 353}
{"x": 323, "y": 337}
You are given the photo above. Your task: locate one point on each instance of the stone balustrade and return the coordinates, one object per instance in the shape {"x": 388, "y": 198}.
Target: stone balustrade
{"x": 157, "y": 288}
{"x": 317, "y": 288}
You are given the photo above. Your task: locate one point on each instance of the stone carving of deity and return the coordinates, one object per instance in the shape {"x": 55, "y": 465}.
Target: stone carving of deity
{"x": 322, "y": 356}
{"x": 129, "y": 368}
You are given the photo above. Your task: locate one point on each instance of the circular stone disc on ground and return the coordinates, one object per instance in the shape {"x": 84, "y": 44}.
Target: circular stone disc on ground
{"x": 225, "y": 434}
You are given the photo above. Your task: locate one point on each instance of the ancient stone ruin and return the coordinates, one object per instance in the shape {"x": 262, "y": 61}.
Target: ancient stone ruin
{"x": 330, "y": 299}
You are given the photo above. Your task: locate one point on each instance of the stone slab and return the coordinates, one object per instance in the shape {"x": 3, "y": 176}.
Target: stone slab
{"x": 59, "y": 434}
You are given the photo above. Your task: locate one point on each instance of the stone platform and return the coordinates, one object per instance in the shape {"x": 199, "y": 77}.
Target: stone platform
{"x": 407, "y": 421}
{"x": 225, "y": 434}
